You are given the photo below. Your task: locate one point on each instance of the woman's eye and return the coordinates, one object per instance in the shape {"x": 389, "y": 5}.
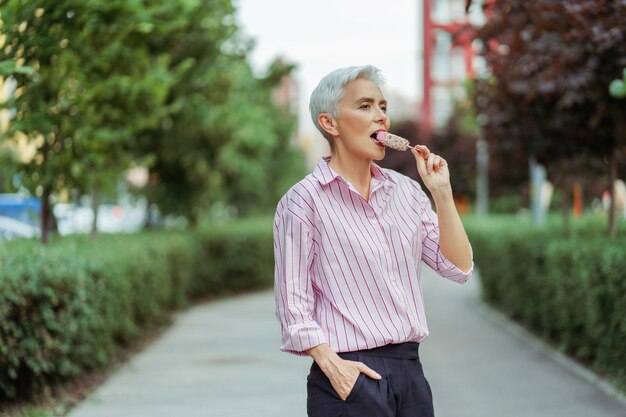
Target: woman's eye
{"x": 364, "y": 106}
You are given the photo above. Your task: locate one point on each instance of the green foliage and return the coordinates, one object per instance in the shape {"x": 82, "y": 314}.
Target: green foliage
{"x": 551, "y": 63}
{"x": 243, "y": 255}
{"x": 259, "y": 164}
{"x": 69, "y": 307}
{"x": 548, "y": 95}
{"x": 208, "y": 55}
{"x": 8, "y": 68}
{"x": 231, "y": 147}
{"x": 570, "y": 290}
{"x": 93, "y": 84}
{"x": 617, "y": 88}
{"x": 102, "y": 86}
{"x": 510, "y": 203}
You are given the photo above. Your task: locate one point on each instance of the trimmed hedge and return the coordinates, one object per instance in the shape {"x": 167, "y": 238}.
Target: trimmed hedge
{"x": 69, "y": 307}
{"x": 242, "y": 254}
{"x": 571, "y": 290}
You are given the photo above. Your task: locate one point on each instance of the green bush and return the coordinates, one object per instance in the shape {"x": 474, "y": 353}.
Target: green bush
{"x": 506, "y": 204}
{"x": 69, "y": 307}
{"x": 570, "y": 288}
{"x": 244, "y": 256}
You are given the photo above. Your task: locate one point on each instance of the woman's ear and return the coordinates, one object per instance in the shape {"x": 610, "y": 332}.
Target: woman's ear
{"x": 327, "y": 122}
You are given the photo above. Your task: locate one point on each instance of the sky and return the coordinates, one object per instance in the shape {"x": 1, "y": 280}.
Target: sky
{"x": 323, "y": 35}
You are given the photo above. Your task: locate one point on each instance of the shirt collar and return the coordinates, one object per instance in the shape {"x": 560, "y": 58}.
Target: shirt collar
{"x": 325, "y": 175}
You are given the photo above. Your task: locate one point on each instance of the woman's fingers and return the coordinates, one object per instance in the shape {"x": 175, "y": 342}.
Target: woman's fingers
{"x": 430, "y": 163}
{"x": 364, "y": 369}
{"x": 421, "y": 162}
{"x": 433, "y": 170}
{"x": 344, "y": 377}
{"x": 423, "y": 150}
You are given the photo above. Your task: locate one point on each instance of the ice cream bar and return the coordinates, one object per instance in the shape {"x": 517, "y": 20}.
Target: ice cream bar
{"x": 392, "y": 141}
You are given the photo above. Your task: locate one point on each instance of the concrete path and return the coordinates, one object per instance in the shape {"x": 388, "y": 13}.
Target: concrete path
{"x": 221, "y": 359}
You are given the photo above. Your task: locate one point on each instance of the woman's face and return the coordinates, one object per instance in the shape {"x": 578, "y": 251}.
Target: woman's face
{"x": 362, "y": 113}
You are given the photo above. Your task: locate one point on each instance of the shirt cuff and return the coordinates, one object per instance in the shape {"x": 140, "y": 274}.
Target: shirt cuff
{"x": 301, "y": 337}
{"x": 450, "y": 271}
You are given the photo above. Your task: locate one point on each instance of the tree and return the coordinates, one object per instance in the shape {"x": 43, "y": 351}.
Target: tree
{"x": 551, "y": 65}
{"x": 167, "y": 85}
{"x": 184, "y": 147}
{"x": 227, "y": 142}
{"x": 260, "y": 163}
{"x": 93, "y": 84}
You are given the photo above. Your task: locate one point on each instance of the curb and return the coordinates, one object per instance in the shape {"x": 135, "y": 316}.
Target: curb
{"x": 582, "y": 372}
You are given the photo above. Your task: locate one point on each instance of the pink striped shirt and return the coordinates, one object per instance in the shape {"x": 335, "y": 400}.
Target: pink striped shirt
{"x": 347, "y": 271}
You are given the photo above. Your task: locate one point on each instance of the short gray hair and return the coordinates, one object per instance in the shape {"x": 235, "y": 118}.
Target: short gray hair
{"x": 329, "y": 91}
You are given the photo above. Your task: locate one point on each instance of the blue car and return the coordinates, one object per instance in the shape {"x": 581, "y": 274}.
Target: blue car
{"x": 20, "y": 208}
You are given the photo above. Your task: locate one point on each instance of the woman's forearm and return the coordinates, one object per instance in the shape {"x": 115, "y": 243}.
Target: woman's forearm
{"x": 453, "y": 240}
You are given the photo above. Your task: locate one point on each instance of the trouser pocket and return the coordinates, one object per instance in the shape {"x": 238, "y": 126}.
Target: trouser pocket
{"x": 369, "y": 397}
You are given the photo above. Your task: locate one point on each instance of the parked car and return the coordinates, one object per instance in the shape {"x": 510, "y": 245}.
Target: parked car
{"x": 14, "y": 229}
{"x": 72, "y": 219}
{"x": 116, "y": 218}
{"x": 20, "y": 207}
{"x": 112, "y": 218}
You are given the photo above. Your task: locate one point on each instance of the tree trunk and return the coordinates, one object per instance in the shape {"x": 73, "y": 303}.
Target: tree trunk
{"x": 566, "y": 207}
{"x": 45, "y": 214}
{"x": 612, "y": 180}
{"x": 95, "y": 204}
{"x": 149, "y": 223}
{"x": 193, "y": 219}
{"x": 482, "y": 177}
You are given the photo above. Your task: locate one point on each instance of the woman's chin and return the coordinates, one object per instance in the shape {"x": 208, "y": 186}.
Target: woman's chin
{"x": 380, "y": 154}
{"x": 375, "y": 154}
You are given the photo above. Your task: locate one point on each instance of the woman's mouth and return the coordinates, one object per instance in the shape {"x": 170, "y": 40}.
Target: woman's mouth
{"x": 378, "y": 138}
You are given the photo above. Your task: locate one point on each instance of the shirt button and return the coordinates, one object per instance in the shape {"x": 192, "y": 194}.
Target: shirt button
{"x": 374, "y": 221}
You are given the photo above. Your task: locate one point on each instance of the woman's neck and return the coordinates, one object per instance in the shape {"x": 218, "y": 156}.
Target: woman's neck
{"x": 354, "y": 170}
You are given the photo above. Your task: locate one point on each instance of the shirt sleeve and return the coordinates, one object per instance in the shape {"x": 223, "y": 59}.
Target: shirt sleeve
{"x": 293, "y": 289}
{"x": 431, "y": 251}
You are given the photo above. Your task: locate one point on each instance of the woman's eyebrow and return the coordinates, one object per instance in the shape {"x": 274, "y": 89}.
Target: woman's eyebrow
{"x": 369, "y": 100}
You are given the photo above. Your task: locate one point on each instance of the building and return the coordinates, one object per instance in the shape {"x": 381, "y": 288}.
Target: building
{"x": 449, "y": 56}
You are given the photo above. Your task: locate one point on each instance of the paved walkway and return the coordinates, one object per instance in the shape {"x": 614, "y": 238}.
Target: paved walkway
{"x": 221, "y": 359}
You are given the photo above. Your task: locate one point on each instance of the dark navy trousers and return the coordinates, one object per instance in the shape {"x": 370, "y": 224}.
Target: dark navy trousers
{"x": 403, "y": 390}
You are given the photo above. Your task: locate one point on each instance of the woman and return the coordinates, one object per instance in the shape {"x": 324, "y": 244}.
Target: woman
{"x": 348, "y": 241}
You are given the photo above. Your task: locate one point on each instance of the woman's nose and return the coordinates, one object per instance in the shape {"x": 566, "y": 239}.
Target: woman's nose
{"x": 381, "y": 116}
